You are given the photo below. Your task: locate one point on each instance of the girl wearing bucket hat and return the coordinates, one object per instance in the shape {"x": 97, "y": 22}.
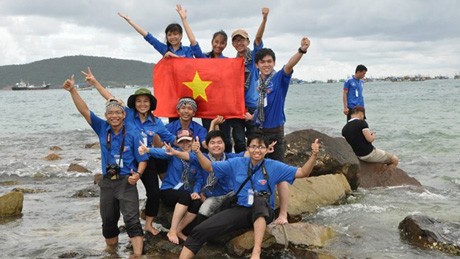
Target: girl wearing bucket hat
{"x": 140, "y": 118}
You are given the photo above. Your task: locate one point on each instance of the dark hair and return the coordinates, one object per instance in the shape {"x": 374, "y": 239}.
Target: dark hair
{"x": 357, "y": 109}
{"x": 215, "y": 134}
{"x": 210, "y": 54}
{"x": 263, "y": 53}
{"x": 260, "y": 137}
{"x": 173, "y": 27}
{"x": 360, "y": 68}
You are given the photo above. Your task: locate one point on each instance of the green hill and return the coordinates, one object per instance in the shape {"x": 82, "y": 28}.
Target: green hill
{"x": 109, "y": 71}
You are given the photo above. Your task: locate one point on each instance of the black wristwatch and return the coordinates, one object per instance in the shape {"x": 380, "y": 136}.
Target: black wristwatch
{"x": 301, "y": 51}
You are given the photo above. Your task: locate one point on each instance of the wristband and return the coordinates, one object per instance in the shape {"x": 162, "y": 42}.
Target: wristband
{"x": 301, "y": 51}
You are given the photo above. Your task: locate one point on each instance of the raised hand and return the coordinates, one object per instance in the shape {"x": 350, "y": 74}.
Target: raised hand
{"x": 143, "y": 148}
{"x": 265, "y": 11}
{"x": 89, "y": 77}
{"x": 124, "y": 16}
{"x": 69, "y": 84}
{"x": 271, "y": 147}
{"x": 315, "y": 147}
{"x": 182, "y": 12}
{"x": 196, "y": 144}
{"x": 304, "y": 44}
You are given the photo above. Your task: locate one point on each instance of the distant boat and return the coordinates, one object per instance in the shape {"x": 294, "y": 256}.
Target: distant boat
{"x": 26, "y": 86}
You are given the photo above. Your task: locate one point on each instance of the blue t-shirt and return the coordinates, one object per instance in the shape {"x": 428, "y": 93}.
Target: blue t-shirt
{"x": 197, "y": 129}
{"x": 174, "y": 172}
{"x": 129, "y": 157}
{"x": 150, "y": 127}
{"x": 277, "y": 90}
{"x": 183, "y": 51}
{"x": 237, "y": 169}
{"x": 251, "y": 96}
{"x": 223, "y": 185}
{"x": 355, "y": 92}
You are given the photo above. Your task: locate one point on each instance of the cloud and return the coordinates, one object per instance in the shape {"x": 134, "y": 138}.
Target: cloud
{"x": 389, "y": 37}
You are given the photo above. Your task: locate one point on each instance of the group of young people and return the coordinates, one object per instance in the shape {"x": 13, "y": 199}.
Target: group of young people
{"x": 195, "y": 163}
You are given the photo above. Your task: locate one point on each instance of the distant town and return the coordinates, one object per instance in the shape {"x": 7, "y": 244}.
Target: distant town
{"x": 372, "y": 79}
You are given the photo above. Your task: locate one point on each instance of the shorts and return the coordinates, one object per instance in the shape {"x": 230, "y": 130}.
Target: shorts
{"x": 378, "y": 156}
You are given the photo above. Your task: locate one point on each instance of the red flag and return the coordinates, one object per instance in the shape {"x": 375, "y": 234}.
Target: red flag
{"x": 216, "y": 84}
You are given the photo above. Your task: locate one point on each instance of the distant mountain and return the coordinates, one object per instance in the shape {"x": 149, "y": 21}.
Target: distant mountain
{"x": 109, "y": 71}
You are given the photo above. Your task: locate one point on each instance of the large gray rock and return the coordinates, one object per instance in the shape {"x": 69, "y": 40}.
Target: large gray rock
{"x": 307, "y": 194}
{"x": 11, "y": 204}
{"x": 425, "y": 232}
{"x": 381, "y": 175}
{"x": 336, "y": 155}
{"x": 283, "y": 236}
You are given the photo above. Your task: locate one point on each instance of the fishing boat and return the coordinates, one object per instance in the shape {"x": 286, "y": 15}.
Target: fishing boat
{"x": 26, "y": 86}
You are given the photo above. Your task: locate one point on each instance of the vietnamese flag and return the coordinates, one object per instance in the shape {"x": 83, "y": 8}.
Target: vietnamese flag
{"x": 216, "y": 84}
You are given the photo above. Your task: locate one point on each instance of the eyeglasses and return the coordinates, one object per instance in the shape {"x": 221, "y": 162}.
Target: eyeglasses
{"x": 254, "y": 147}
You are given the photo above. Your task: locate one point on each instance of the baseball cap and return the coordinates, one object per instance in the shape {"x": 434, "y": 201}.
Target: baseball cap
{"x": 240, "y": 32}
{"x": 184, "y": 134}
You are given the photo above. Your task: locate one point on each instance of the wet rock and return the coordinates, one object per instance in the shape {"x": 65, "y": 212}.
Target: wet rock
{"x": 94, "y": 145}
{"x": 77, "y": 168}
{"x": 425, "y": 232}
{"x": 282, "y": 236}
{"x": 307, "y": 194}
{"x": 52, "y": 157}
{"x": 336, "y": 155}
{"x": 9, "y": 183}
{"x": 11, "y": 204}
{"x": 92, "y": 191}
{"x": 55, "y": 148}
{"x": 69, "y": 255}
{"x": 28, "y": 190}
{"x": 381, "y": 175}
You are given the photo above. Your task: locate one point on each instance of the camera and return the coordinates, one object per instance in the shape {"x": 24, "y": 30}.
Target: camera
{"x": 112, "y": 171}
{"x": 263, "y": 194}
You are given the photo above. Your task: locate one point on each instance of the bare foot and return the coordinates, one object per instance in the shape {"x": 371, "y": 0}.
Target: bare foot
{"x": 172, "y": 236}
{"x": 182, "y": 236}
{"x": 152, "y": 230}
{"x": 281, "y": 220}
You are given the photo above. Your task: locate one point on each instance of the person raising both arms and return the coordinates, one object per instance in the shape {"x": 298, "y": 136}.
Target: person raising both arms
{"x": 219, "y": 43}
{"x": 173, "y": 46}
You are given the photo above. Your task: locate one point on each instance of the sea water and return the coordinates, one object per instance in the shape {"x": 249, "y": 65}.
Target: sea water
{"x": 417, "y": 121}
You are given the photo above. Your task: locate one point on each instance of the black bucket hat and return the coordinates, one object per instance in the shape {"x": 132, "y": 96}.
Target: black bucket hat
{"x": 142, "y": 91}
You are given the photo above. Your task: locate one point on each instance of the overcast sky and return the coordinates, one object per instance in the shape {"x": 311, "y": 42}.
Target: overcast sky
{"x": 390, "y": 37}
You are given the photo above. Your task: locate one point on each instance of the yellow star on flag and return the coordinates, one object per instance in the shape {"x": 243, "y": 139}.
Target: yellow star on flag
{"x": 198, "y": 86}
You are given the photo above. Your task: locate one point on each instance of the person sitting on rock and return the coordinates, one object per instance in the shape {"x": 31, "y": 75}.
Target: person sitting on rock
{"x": 182, "y": 185}
{"x": 257, "y": 178}
{"x": 360, "y": 138}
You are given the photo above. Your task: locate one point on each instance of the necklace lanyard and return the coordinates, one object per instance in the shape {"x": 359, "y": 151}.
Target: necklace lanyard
{"x": 109, "y": 143}
{"x": 251, "y": 173}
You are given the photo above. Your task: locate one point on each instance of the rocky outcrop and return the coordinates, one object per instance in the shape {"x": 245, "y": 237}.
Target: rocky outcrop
{"x": 55, "y": 148}
{"x": 77, "y": 168}
{"x": 307, "y": 194}
{"x": 381, "y": 175}
{"x": 425, "y": 232}
{"x": 11, "y": 204}
{"x": 337, "y": 157}
{"x": 52, "y": 157}
{"x": 283, "y": 236}
{"x": 94, "y": 145}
